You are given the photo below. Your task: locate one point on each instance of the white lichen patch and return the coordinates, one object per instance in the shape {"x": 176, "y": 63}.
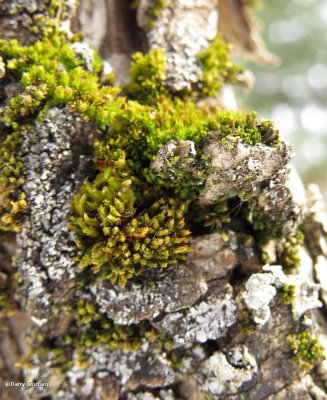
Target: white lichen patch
{"x": 47, "y": 252}
{"x": 221, "y": 376}
{"x": 261, "y": 288}
{"x": 259, "y": 291}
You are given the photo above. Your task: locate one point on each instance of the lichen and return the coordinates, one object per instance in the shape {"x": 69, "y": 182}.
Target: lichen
{"x": 306, "y": 349}
{"x": 93, "y": 328}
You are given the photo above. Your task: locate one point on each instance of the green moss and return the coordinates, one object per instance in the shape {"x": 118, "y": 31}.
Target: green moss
{"x": 125, "y": 218}
{"x": 100, "y": 331}
{"x": 288, "y": 293}
{"x": 269, "y": 229}
{"x": 185, "y": 177}
{"x": 147, "y": 75}
{"x": 12, "y": 200}
{"x": 288, "y": 251}
{"x": 238, "y": 125}
{"x": 166, "y": 345}
{"x": 217, "y": 67}
{"x": 306, "y": 349}
{"x": 118, "y": 241}
{"x": 213, "y": 217}
{"x": 49, "y": 75}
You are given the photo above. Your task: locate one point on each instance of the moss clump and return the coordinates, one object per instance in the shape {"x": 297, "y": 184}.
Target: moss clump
{"x": 213, "y": 217}
{"x": 237, "y": 125}
{"x": 147, "y": 75}
{"x": 12, "y": 201}
{"x": 306, "y": 349}
{"x": 49, "y": 74}
{"x": 185, "y": 176}
{"x": 217, "y": 67}
{"x": 288, "y": 293}
{"x": 288, "y": 251}
{"x": 118, "y": 241}
{"x": 268, "y": 228}
{"x": 100, "y": 331}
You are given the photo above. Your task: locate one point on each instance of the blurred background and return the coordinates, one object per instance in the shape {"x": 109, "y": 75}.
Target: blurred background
{"x": 294, "y": 94}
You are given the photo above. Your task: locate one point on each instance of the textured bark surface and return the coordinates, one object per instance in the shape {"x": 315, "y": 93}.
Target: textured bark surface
{"x": 203, "y": 304}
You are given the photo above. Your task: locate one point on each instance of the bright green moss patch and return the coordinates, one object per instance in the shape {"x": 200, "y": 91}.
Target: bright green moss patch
{"x": 147, "y": 75}
{"x": 48, "y": 74}
{"x": 125, "y": 218}
{"x": 306, "y": 349}
{"x": 217, "y": 67}
{"x": 238, "y": 125}
{"x": 51, "y": 75}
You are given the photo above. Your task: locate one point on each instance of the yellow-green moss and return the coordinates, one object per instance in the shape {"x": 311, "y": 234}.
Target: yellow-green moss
{"x": 288, "y": 251}
{"x": 147, "y": 74}
{"x": 217, "y": 67}
{"x": 87, "y": 329}
{"x": 288, "y": 293}
{"x": 49, "y": 74}
{"x": 306, "y": 349}
{"x": 12, "y": 200}
{"x": 117, "y": 240}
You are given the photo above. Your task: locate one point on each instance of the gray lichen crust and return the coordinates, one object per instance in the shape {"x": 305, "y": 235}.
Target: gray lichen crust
{"x": 46, "y": 249}
{"x": 183, "y": 29}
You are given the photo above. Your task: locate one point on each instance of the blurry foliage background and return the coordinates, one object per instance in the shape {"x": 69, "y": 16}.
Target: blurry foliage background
{"x": 294, "y": 94}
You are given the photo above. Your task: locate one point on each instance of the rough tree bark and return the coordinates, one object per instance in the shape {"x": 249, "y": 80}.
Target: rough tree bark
{"x": 219, "y": 325}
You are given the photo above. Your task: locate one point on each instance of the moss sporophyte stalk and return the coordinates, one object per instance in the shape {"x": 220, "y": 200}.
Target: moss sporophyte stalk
{"x": 125, "y": 218}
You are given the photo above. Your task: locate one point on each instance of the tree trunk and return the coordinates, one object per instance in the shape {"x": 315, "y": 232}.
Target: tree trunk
{"x": 243, "y": 314}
